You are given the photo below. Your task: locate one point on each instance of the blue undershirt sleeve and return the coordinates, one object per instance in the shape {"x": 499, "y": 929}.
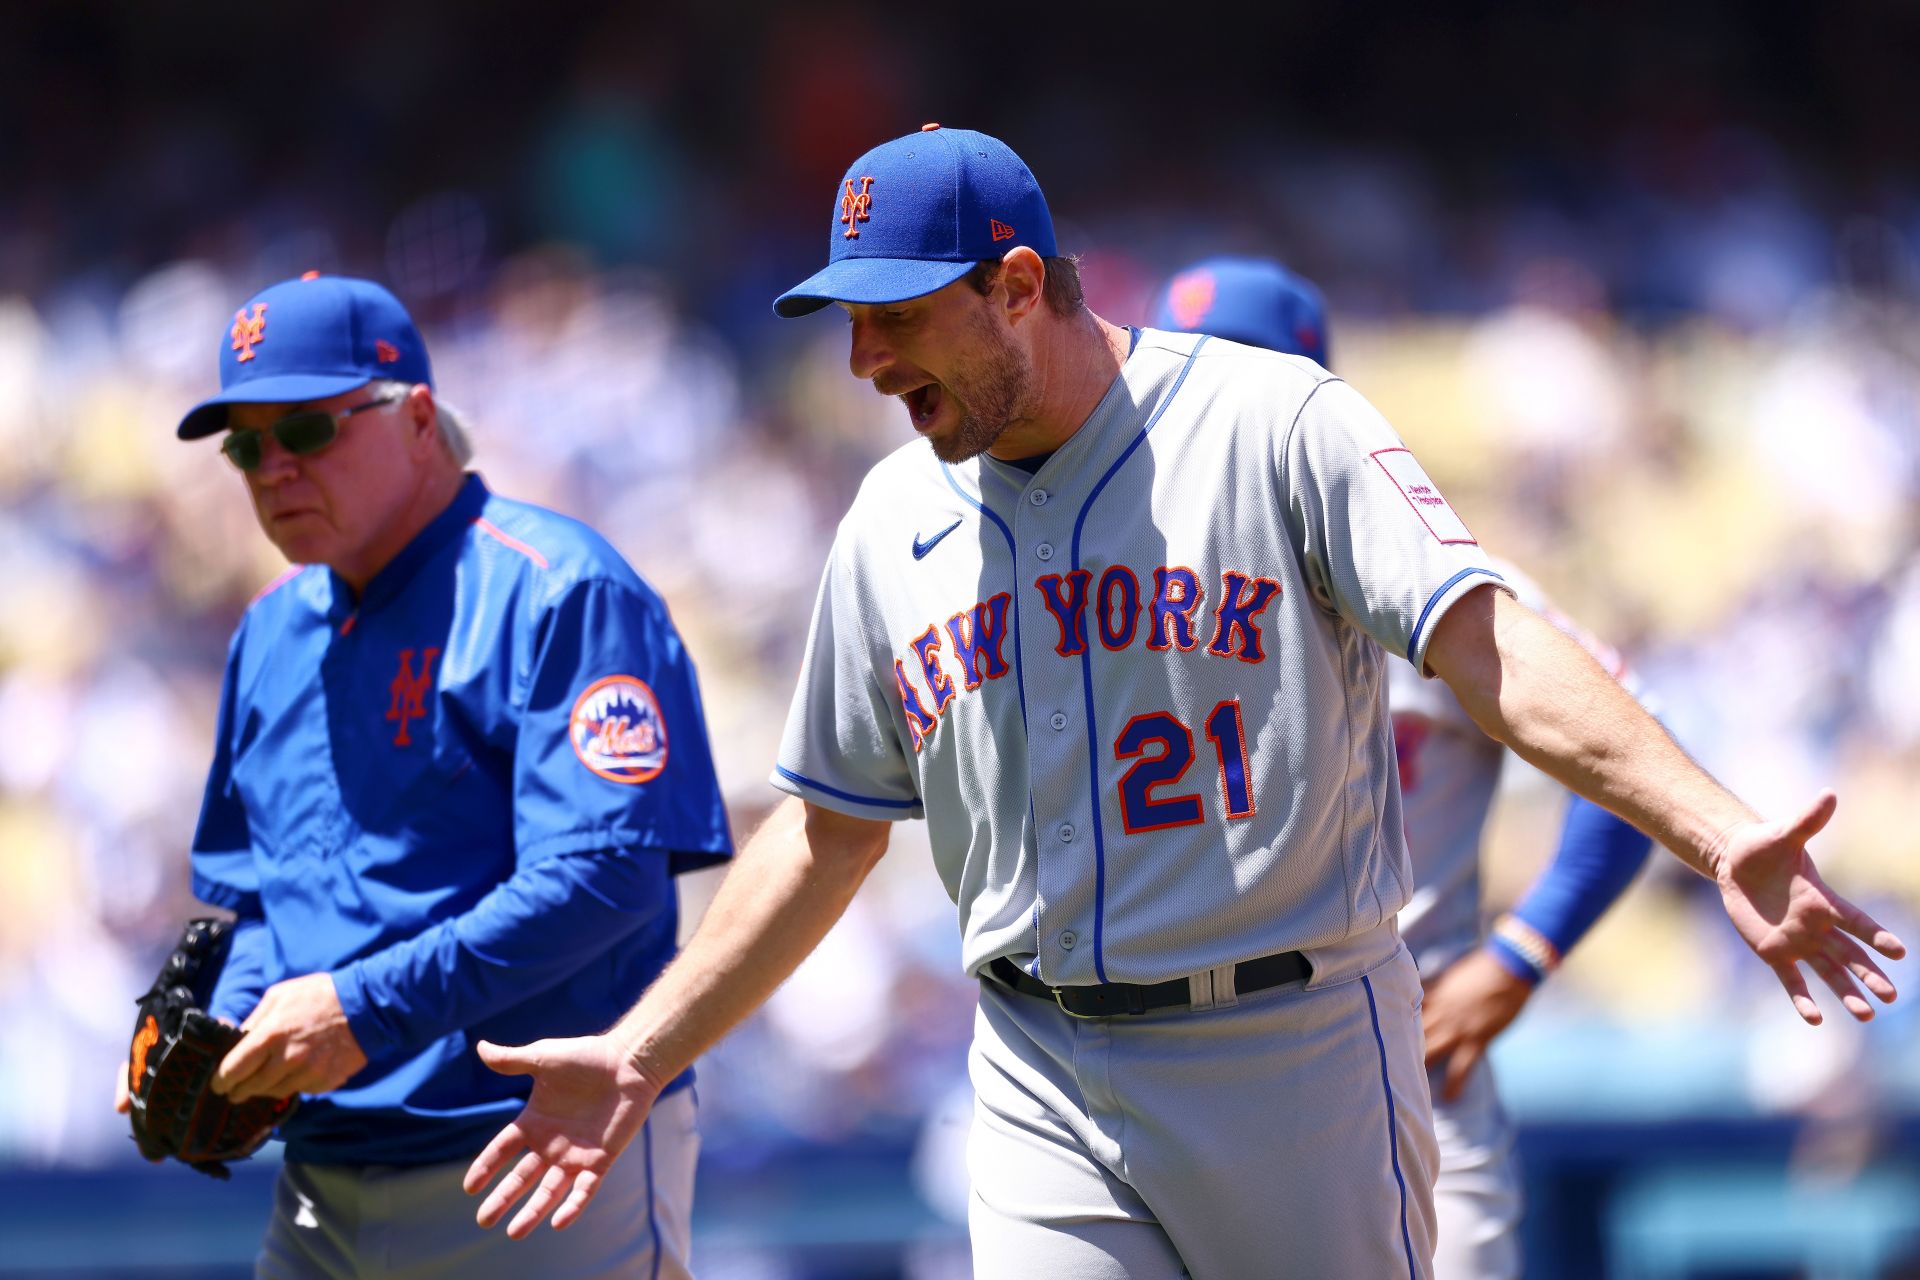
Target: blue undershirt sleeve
{"x": 243, "y": 979}
{"x": 529, "y": 933}
{"x": 1598, "y": 857}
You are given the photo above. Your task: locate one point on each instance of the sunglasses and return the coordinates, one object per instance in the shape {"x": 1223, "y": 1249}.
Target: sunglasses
{"x": 308, "y": 431}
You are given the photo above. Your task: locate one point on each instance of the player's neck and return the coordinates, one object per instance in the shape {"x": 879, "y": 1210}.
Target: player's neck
{"x": 436, "y": 491}
{"x": 1075, "y": 364}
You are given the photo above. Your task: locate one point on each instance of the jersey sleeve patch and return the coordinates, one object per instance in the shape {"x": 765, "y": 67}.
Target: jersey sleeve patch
{"x": 1423, "y": 496}
{"x": 618, "y": 730}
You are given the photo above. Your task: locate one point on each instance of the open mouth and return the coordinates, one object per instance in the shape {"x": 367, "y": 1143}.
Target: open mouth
{"x": 923, "y": 403}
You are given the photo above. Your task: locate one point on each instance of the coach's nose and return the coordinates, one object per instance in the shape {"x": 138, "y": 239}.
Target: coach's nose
{"x": 278, "y": 464}
{"x": 870, "y": 352}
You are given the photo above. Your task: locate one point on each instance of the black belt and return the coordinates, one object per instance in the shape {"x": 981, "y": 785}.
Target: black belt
{"x": 1108, "y": 999}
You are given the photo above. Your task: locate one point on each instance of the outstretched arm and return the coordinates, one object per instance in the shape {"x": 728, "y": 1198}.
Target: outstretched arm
{"x": 1530, "y": 687}
{"x": 592, "y": 1094}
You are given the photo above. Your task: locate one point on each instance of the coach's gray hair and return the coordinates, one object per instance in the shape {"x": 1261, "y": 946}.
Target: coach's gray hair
{"x": 447, "y": 420}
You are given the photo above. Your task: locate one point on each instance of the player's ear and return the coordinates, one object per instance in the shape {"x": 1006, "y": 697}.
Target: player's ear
{"x": 1023, "y": 274}
{"x": 421, "y": 418}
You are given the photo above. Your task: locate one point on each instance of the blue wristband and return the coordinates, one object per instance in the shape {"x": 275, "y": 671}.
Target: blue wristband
{"x": 1523, "y": 950}
{"x": 1513, "y": 961}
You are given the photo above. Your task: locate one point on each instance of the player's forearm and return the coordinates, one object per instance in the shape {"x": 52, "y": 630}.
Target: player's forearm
{"x": 784, "y": 892}
{"x": 1529, "y": 686}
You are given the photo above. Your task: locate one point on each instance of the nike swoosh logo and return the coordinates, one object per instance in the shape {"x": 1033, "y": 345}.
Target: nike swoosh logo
{"x": 920, "y": 548}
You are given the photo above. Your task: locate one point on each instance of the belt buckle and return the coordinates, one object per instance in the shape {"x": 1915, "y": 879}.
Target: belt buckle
{"x": 1059, "y": 998}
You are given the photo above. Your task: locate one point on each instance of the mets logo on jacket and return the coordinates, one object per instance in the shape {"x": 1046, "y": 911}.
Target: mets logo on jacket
{"x": 618, "y": 730}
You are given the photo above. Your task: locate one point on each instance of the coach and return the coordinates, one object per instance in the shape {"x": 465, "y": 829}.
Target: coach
{"x": 460, "y": 758}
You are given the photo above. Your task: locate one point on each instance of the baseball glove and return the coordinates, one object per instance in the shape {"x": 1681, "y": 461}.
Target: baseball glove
{"x": 176, "y": 1047}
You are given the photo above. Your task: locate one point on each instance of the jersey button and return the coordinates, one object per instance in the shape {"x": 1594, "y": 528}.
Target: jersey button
{"x": 1067, "y": 940}
{"x": 1066, "y": 833}
{"x": 1058, "y": 720}
{"x": 1044, "y": 551}
{"x": 1038, "y": 497}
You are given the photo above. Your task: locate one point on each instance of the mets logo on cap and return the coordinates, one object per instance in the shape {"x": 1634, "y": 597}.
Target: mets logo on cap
{"x": 618, "y": 730}
{"x": 1190, "y": 297}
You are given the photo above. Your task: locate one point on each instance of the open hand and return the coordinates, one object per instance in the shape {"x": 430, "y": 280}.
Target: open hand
{"x": 588, "y": 1102}
{"x": 296, "y": 1041}
{"x": 1473, "y": 1000}
{"x": 1786, "y": 913}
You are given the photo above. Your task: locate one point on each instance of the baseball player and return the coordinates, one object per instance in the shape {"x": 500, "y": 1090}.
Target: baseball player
{"x": 1120, "y": 635}
{"x": 1476, "y": 982}
{"x": 460, "y": 758}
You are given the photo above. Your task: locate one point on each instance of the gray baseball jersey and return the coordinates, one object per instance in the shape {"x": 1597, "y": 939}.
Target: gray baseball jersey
{"x": 1449, "y": 771}
{"x": 1138, "y": 693}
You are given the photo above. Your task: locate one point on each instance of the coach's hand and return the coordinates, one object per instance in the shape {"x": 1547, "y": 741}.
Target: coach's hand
{"x": 589, "y": 1100}
{"x": 1470, "y": 1003}
{"x": 1786, "y": 913}
{"x": 297, "y": 1041}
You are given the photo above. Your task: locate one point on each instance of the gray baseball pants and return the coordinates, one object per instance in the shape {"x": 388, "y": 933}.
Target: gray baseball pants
{"x": 1289, "y": 1134}
{"x": 401, "y": 1222}
{"x": 1477, "y": 1195}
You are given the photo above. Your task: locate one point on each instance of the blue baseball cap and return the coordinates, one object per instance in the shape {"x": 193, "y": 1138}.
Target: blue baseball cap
{"x": 308, "y": 339}
{"x": 913, "y": 215}
{"x": 1250, "y": 300}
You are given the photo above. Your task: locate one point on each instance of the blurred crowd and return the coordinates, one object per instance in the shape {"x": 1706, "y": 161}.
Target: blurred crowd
{"x": 1681, "y": 386}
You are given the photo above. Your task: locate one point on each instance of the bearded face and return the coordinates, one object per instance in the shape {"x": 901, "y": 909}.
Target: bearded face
{"x": 952, "y": 361}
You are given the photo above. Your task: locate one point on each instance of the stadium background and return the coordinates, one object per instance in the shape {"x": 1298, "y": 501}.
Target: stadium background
{"x": 1638, "y": 281}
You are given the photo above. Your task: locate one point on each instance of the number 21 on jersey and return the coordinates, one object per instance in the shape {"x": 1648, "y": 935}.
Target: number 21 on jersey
{"x": 1161, "y": 747}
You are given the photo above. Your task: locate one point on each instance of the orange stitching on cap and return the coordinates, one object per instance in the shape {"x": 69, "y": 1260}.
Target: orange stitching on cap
{"x": 247, "y": 331}
{"x": 1001, "y": 231}
{"x": 1190, "y": 297}
{"x": 854, "y": 206}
